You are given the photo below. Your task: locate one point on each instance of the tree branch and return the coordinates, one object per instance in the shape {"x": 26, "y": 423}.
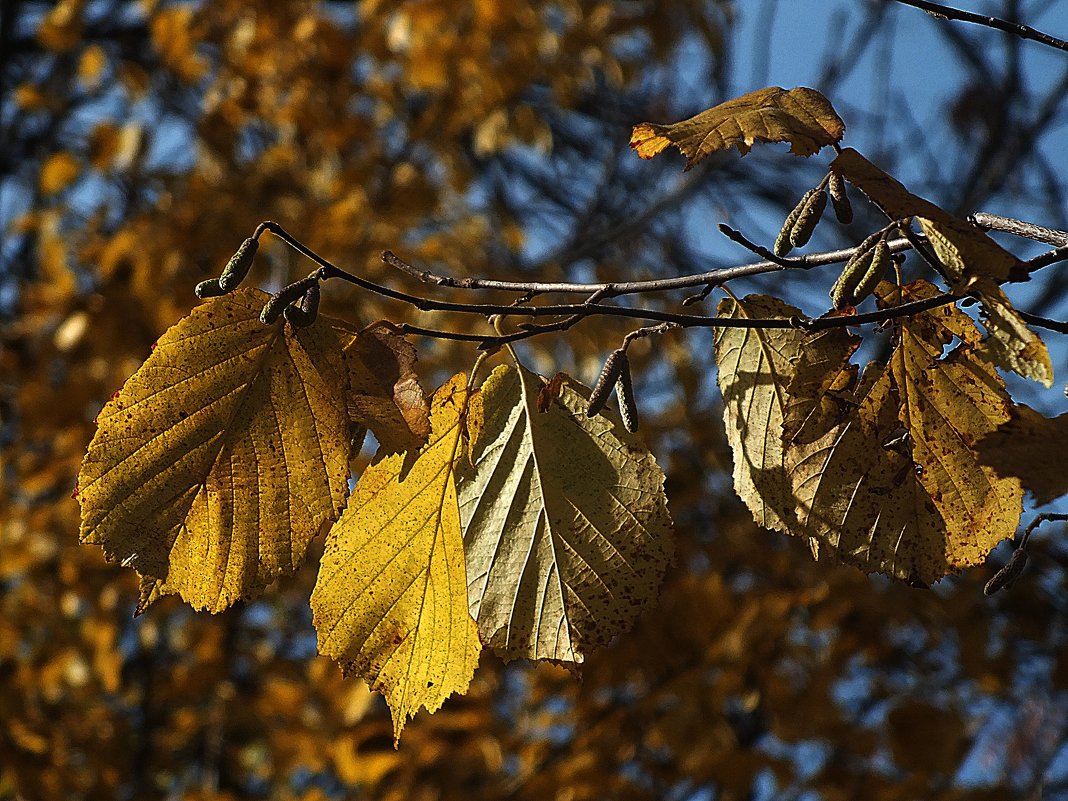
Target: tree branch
{"x": 1015, "y": 28}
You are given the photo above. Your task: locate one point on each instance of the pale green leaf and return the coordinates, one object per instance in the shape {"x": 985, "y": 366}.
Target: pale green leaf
{"x": 566, "y": 527}
{"x": 755, "y": 368}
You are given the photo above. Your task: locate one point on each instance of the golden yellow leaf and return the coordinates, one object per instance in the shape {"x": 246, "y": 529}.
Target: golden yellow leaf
{"x": 390, "y": 602}
{"x": 1031, "y": 447}
{"x": 222, "y": 456}
{"x": 964, "y": 249}
{"x": 897, "y": 487}
{"x": 755, "y": 367}
{"x": 58, "y": 172}
{"x": 566, "y": 527}
{"x": 61, "y": 28}
{"x": 803, "y": 117}
{"x": 91, "y": 65}
{"x": 947, "y": 405}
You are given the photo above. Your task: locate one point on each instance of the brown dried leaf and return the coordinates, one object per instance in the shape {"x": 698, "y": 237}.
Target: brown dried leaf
{"x": 803, "y": 117}
{"x": 897, "y": 488}
{"x": 384, "y": 391}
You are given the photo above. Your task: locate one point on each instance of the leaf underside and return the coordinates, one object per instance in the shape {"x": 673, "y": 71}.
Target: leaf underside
{"x": 567, "y": 532}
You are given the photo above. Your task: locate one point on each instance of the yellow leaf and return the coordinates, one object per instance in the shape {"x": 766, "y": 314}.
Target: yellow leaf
{"x": 58, "y": 172}
{"x": 222, "y": 456}
{"x": 390, "y": 602}
{"x": 61, "y": 28}
{"x": 803, "y": 117}
{"x": 1031, "y": 447}
{"x": 755, "y": 367}
{"x": 947, "y": 405}
{"x": 566, "y": 527}
{"x": 966, "y": 251}
{"x": 897, "y": 487}
{"x": 91, "y": 65}
{"x": 1010, "y": 344}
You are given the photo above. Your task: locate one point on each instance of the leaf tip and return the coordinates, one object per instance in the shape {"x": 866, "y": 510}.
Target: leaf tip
{"x": 647, "y": 140}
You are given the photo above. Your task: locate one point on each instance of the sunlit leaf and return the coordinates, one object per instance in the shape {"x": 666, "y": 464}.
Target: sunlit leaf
{"x": 390, "y": 602}
{"x": 803, "y": 117}
{"x": 566, "y": 527}
{"x": 755, "y": 367}
{"x": 222, "y": 456}
{"x": 1031, "y": 447}
{"x": 1011, "y": 345}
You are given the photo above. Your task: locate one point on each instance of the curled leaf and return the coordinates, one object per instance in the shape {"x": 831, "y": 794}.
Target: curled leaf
{"x": 384, "y": 389}
{"x": 803, "y": 117}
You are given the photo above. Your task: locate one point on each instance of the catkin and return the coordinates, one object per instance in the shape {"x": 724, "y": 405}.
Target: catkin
{"x": 812, "y": 205}
{"x": 628, "y": 407}
{"x": 209, "y": 289}
{"x": 237, "y": 268}
{"x": 274, "y": 307}
{"x": 1007, "y": 576}
{"x": 304, "y": 314}
{"x": 854, "y": 271}
{"x": 876, "y": 270}
{"x": 613, "y": 366}
{"x": 839, "y": 199}
{"x": 782, "y": 241}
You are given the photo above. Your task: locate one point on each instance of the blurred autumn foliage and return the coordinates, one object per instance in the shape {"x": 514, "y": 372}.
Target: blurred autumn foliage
{"x": 144, "y": 140}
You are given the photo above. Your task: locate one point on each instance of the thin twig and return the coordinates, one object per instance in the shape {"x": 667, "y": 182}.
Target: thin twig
{"x": 1043, "y": 322}
{"x": 1038, "y": 521}
{"x": 1022, "y": 228}
{"x": 615, "y": 289}
{"x": 1015, "y": 28}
